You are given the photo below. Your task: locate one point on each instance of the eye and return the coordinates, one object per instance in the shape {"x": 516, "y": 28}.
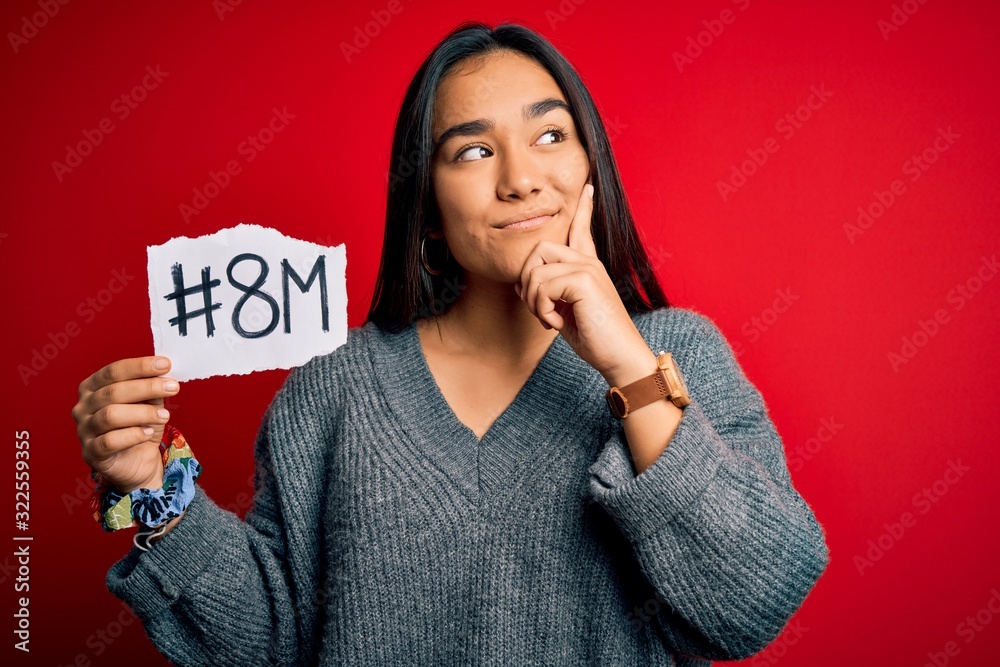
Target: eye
{"x": 472, "y": 153}
{"x": 558, "y": 134}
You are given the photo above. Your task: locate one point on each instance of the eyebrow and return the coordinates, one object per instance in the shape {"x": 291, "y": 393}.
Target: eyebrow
{"x": 484, "y": 125}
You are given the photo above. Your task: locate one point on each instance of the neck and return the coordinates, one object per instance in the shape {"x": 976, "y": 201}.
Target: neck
{"x": 489, "y": 318}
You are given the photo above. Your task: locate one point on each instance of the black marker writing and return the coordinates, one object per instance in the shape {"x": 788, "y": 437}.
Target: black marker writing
{"x": 252, "y": 290}
{"x": 318, "y": 269}
{"x": 317, "y": 274}
{"x": 180, "y": 292}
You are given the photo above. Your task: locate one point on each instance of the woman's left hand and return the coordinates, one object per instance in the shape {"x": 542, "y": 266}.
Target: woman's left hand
{"x": 568, "y": 288}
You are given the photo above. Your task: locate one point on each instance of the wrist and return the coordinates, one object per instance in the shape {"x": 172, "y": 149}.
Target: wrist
{"x": 153, "y": 482}
{"x": 166, "y": 497}
{"x": 636, "y": 364}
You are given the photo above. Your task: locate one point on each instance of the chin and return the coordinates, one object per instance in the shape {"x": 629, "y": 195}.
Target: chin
{"x": 512, "y": 253}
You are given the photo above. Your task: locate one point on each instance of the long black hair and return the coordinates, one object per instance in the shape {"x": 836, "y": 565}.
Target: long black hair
{"x": 403, "y": 291}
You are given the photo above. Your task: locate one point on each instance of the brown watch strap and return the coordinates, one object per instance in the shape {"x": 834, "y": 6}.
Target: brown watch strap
{"x": 665, "y": 382}
{"x": 644, "y": 391}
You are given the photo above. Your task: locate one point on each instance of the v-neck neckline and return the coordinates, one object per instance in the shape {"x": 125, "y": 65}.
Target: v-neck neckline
{"x": 478, "y": 467}
{"x": 429, "y": 375}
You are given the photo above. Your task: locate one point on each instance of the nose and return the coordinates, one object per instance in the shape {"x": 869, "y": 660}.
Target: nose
{"x": 520, "y": 175}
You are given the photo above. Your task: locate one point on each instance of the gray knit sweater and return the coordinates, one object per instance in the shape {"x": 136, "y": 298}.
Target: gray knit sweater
{"x": 383, "y": 532}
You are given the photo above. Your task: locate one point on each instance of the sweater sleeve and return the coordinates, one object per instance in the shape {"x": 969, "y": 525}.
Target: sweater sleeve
{"x": 717, "y": 528}
{"x": 217, "y": 590}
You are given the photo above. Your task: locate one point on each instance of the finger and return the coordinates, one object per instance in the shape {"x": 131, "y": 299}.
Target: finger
{"x": 581, "y": 238}
{"x": 131, "y": 391}
{"x": 547, "y": 252}
{"x": 544, "y": 272}
{"x": 126, "y": 369}
{"x": 567, "y": 288}
{"x": 109, "y": 445}
{"x": 119, "y": 416}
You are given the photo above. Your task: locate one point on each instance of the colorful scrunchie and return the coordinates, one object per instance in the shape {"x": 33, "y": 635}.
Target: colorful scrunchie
{"x": 150, "y": 507}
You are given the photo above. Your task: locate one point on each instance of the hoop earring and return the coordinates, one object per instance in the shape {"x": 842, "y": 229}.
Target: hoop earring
{"x": 423, "y": 255}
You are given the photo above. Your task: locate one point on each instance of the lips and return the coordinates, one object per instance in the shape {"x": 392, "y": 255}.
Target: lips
{"x": 527, "y": 220}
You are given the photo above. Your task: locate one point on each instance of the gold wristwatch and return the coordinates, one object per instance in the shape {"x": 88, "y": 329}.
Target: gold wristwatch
{"x": 666, "y": 382}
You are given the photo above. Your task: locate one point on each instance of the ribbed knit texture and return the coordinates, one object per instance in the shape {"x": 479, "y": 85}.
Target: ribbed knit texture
{"x": 383, "y": 532}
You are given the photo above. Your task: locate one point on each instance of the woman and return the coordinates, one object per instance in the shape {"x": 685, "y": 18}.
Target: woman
{"x": 451, "y": 486}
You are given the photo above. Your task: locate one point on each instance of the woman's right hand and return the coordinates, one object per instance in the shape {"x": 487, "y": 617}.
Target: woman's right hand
{"x": 120, "y": 419}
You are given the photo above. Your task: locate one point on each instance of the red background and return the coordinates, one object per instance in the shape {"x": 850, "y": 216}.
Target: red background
{"x": 679, "y": 133}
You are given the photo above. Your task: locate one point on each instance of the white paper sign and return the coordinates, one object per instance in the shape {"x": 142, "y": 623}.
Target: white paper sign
{"x": 245, "y": 299}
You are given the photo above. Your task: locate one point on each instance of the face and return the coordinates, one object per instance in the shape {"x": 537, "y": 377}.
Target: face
{"x": 508, "y": 151}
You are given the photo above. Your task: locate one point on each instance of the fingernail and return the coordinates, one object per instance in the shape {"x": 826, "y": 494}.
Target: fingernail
{"x": 162, "y": 414}
{"x": 147, "y": 430}
{"x": 590, "y": 190}
{"x": 169, "y": 385}
{"x": 161, "y": 364}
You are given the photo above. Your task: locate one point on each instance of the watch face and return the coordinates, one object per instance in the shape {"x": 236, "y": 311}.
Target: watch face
{"x": 680, "y": 379}
{"x": 681, "y": 396}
